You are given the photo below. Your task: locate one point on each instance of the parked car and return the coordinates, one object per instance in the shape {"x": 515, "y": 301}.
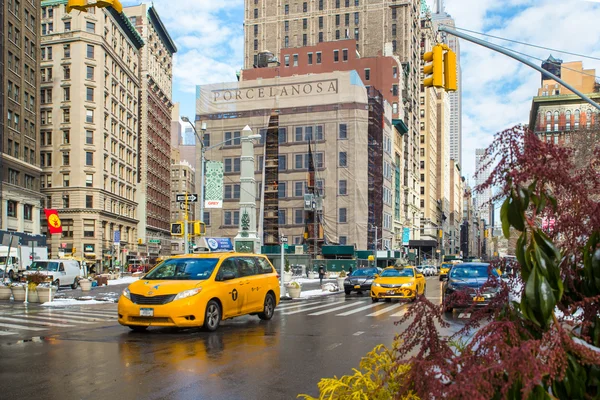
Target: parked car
{"x": 398, "y": 283}
{"x": 468, "y": 278}
{"x": 60, "y": 272}
{"x": 429, "y": 270}
{"x": 360, "y": 280}
{"x": 200, "y": 290}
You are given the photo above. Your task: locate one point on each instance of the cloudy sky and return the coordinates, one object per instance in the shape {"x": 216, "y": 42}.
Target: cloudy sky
{"x": 497, "y": 90}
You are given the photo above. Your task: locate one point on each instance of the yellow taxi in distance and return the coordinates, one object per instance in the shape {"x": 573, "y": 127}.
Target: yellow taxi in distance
{"x": 444, "y": 269}
{"x": 398, "y": 283}
{"x": 201, "y": 290}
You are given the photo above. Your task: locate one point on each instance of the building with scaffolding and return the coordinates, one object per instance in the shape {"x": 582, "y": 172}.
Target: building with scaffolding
{"x": 317, "y": 131}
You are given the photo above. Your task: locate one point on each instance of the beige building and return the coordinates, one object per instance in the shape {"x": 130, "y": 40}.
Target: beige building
{"x": 443, "y": 163}
{"x": 376, "y": 25}
{"x": 89, "y": 130}
{"x": 456, "y": 208}
{"x": 156, "y": 77}
{"x": 183, "y": 178}
{"x": 331, "y": 112}
{"x": 20, "y": 198}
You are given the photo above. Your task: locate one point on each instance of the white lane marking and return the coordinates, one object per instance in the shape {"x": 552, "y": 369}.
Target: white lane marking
{"x": 385, "y": 309}
{"x": 81, "y": 313}
{"x": 357, "y": 310}
{"x": 34, "y": 322}
{"x": 358, "y": 333}
{"x": 295, "y": 305}
{"x": 5, "y": 333}
{"x": 312, "y": 308}
{"x": 332, "y": 346}
{"x": 27, "y": 328}
{"x": 77, "y": 317}
{"x": 54, "y": 319}
{"x": 333, "y": 309}
{"x": 400, "y": 313}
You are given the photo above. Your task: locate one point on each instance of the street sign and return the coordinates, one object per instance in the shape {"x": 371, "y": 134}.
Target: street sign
{"x": 191, "y": 198}
{"x": 157, "y": 241}
{"x": 285, "y": 246}
{"x": 284, "y": 239}
{"x": 182, "y": 206}
{"x": 117, "y": 238}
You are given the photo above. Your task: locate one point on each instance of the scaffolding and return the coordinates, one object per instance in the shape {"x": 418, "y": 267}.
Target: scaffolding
{"x": 271, "y": 180}
{"x": 313, "y": 224}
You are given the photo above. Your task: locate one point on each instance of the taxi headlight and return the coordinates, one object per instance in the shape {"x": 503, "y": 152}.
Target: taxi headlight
{"x": 187, "y": 293}
{"x": 377, "y": 284}
{"x": 406, "y": 285}
{"x": 126, "y": 293}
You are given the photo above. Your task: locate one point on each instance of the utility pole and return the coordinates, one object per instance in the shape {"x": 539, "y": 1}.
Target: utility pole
{"x": 375, "y": 252}
{"x": 186, "y": 243}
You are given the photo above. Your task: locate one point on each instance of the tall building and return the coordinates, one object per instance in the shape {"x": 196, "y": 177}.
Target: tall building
{"x": 441, "y": 17}
{"x": 456, "y": 208}
{"x": 89, "y": 136}
{"x": 189, "y": 139}
{"x": 557, "y": 114}
{"x": 443, "y": 164}
{"x": 20, "y": 198}
{"x": 482, "y": 198}
{"x": 156, "y": 78}
{"x": 375, "y": 25}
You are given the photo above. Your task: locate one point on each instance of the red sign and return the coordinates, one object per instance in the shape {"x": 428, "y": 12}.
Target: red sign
{"x": 54, "y": 224}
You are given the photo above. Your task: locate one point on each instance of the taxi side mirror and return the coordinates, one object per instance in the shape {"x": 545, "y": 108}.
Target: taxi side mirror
{"x": 419, "y": 275}
{"x": 227, "y": 276}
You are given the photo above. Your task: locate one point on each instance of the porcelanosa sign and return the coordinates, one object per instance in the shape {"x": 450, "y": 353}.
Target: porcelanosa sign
{"x": 263, "y": 92}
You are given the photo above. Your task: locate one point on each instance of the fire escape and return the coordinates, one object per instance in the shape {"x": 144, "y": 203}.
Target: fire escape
{"x": 271, "y": 192}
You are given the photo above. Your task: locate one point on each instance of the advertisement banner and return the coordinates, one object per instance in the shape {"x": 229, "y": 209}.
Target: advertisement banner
{"x": 405, "y": 236}
{"x": 219, "y": 244}
{"x": 213, "y": 190}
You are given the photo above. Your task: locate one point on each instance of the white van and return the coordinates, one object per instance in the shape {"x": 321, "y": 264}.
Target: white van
{"x": 61, "y": 272}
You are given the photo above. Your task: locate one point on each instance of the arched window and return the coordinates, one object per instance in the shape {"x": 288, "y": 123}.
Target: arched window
{"x": 576, "y": 119}
{"x": 588, "y": 118}
{"x": 568, "y": 120}
{"x": 548, "y": 121}
{"x": 555, "y": 121}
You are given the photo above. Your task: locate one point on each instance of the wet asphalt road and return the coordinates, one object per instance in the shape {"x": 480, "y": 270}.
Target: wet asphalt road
{"x": 244, "y": 359}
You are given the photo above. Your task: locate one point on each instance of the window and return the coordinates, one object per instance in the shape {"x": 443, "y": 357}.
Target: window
{"x": 256, "y": 13}
{"x": 356, "y": 33}
{"x": 89, "y": 73}
{"x": 343, "y": 132}
{"x": 318, "y": 57}
{"x": 67, "y": 72}
{"x": 367, "y": 74}
{"x": 89, "y": 228}
{"x": 343, "y": 187}
{"x": 568, "y": 120}
{"x": 66, "y": 158}
{"x": 66, "y": 137}
{"x": 282, "y": 163}
{"x": 66, "y": 178}
{"x": 89, "y": 116}
{"x": 287, "y": 9}
{"x": 286, "y": 26}
{"x": 67, "y": 48}
{"x": 336, "y": 55}
{"x": 67, "y": 94}
{"x": 286, "y": 42}
{"x": 27, "y": 212}
{"x": 231, "y": 218}
{"x": 282, "y": 135}
{"x": 90, "y": 51}
{"x": 555, "y": 121}
{"x": 347, "y": 19}
{"x": 337, "y": 20}
{"x": 337, "y": 3}
{"x": 320, "y": 39}
{"x": 89, "y": 95}
{"x": 90, "y": 27}
{"x": 342, "y": 216}
{"x": 342, "y": 159}
{"x": 320, "y": 22}
{"x": 89, "y": 137}
{"x": 321, "y": 5}
{"x": 67, "y": 26}
{"x": 345, "y": 54}
{"x": 395, "y": 108}
{"x": 89, "y": 180}
{"x": 89, "y": 158}
{"x": 295, "y": 60}
{"x": 11, "y": 208}
{"x": 281, "y": 190}
{"x": 89, "y": 201}
{"x": 255, "y": 44}
{"x": 298, "y": 217}
{"x": 281, "y": 218}
{"x": 355, "y": 18}
{"x": 393, "y": 13}
{"x": 67, "y": 227}
{"x": 304, "y": 22}
{"x": 299, "y": 189}
{"x": 310, "y": 58}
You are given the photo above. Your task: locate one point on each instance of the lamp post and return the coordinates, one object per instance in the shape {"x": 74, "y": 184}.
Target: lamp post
{"x": 202, "y": 161}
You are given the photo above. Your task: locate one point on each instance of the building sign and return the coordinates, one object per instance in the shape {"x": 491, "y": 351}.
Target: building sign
{"x": 117, "y": 238}
{"x": 213, "y": 192}
{"x": 88, "y": 248}
{"x": 405, "y": 236}
{"x": 264, "y": 92}
{"x": 219, "y": 244}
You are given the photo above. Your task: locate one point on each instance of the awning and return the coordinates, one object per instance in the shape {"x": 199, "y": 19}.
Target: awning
{"x": 89, "y": 255}
{"x": 400, "y": 126}
{"x": 422, "y": 243}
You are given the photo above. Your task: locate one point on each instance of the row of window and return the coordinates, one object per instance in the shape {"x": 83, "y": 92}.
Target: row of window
{"x": 46, "y": 158}
{"x": 300, "y": 188}
{"x": 286, "y": 39}
{"x": 48, "y": 27}
{"x": 321, "y": 6}
{"x": 11, "y": 210}
{"x": 14, "y": 149}
{"x": 14, "y": 177}
{"x": 47, "y": 52}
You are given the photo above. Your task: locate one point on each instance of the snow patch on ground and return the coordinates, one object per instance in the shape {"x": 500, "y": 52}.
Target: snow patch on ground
{"x": 122, "y": 281}
{"x": 306, "y": 280}
{"x": 71, "y": 302}
{"x": 326, "y": 291}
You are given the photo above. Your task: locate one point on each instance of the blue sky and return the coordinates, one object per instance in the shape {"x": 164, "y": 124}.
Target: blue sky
{"x": 497, "y": 90}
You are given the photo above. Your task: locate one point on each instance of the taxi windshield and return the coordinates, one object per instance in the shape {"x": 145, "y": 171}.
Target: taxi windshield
{"x": 406, "y": 272}
{"x": 184, "y": 269}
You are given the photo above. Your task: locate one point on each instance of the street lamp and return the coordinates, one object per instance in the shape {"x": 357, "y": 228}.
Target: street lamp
{"x": 202, "y": 162}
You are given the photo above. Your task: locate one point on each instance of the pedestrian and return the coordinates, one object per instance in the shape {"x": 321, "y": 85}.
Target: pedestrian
{"x": 321, "y": 274}
{"x": 350, "y": 270}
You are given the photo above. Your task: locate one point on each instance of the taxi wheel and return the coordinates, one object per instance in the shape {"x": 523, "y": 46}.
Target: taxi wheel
{"x": 348, "y": 291}
{"x": 374, "y": 299}
{"x": 212, "y": 316}
{"x": 269, "y": 309}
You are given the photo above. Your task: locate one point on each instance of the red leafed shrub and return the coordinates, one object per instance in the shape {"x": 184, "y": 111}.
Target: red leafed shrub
{"x": 545, "y": 344}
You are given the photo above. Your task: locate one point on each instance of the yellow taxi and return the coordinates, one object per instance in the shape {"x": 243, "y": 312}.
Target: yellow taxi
{"x": 444, "y": 269}
{"x": 201, "y": 290}
{"x": 398, "y": 283}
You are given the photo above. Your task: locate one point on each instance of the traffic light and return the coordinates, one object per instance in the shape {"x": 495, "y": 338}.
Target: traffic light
{"x": 116, "y": 4}
{"x": 140, "y": 241}
{"x": 435, "y": 68}
{"x": 450, "y": 71}
{"x": 80, "y": 5}
{"x": 177, "y": 229}
{"x": 73, "y": 251}
{"x": 199, "y": 228}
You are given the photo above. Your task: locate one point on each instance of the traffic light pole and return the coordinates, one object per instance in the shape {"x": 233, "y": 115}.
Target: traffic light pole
{"x": 447, "y": 29}
{"x": 186, "y": 244}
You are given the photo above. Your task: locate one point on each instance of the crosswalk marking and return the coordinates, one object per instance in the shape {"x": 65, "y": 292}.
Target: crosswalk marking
{"x": 34, "y": 317}
{"x": 74, "y": 315}
{"x": 35, "y": 322}
{"x": 311, "y": 308}
{"x": 27, "y": 328}
{"x": 385, "y": 310}
{"x": 332, "y": 309}
{"x": 400, "y": 313}
{"x": 295, "y": 305}
{"x": 5, "y": 333}
{"x": 357, "y": 310}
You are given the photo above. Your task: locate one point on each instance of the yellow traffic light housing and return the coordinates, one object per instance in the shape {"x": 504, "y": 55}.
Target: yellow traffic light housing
{"x": 199, "y": 228}
{"x": 80, "y": 5}
{"x": 177, "y": 229}
{"x": 435, "y": 68}
{"x": 450, "y": 71}
{"x": 116, "y": 4}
